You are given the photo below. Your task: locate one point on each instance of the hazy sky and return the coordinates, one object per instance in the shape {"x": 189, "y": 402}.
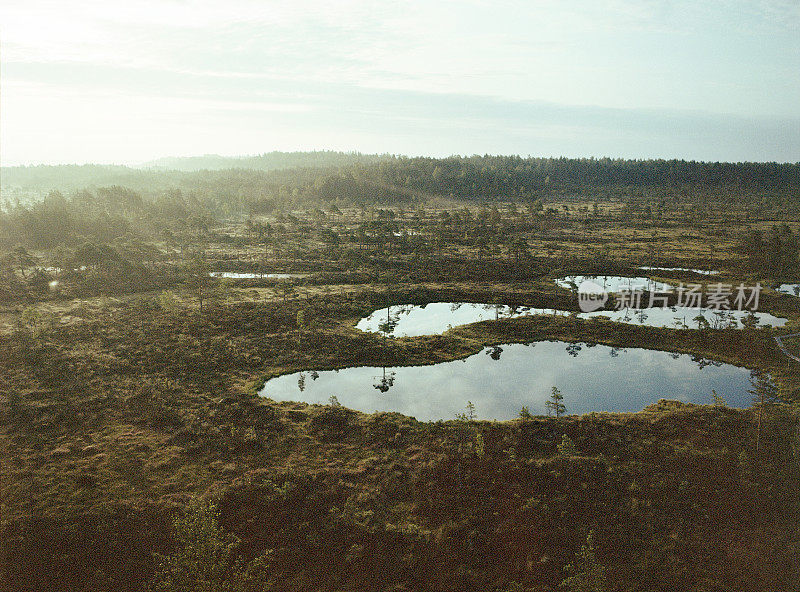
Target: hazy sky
{"x": 127, "y": 81}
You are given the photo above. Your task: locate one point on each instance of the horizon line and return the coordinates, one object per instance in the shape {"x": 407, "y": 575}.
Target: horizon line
{"x": 149, "y": 164}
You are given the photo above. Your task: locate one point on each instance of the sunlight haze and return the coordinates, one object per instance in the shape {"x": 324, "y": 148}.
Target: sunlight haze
{"x": 127, "y": 82}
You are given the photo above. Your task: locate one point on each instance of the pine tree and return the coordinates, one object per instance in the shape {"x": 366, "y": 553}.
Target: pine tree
{"x": 554, "y": 405}
{"x": 585, "y": 573}
{"x": 203, "y": 560}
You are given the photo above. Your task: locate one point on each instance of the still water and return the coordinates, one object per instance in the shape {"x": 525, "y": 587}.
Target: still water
{"x": 699, "y": 271}
{"x": 791, "y": 289}
{"x": 412, "y": 320}
{"x": 239, "y": 276}
{"x": 682, "y": 317}
{"x": 500, "y": 380}
{"x": 614, "y": 283}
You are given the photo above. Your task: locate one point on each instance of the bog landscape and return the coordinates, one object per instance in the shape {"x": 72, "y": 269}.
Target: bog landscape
{"x": 400, "y": 296}
{"x": 342, "y": 371}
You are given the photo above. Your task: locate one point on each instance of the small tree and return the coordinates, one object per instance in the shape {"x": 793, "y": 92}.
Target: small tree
{"x": 470, "y": 415}
{"x": 223, "y": 289}
{"x": 585, "y": 573}
{"x": 480, "y": 445}
{"x": 301, "y": 323}
{"x": 31, "y": 318}
{"x": 750, "y": 320}
{"x": 525, "y": 413}
{"x": 702, "y": 322}
{"x": 202, "y": 561}
{"x": 21, "y": 259}
{"x": 554, "y": 405}
{"x": 287, "y": 289}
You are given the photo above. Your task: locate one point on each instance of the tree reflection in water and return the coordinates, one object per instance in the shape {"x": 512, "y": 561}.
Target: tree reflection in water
{"x": 703, "y": 362}
{"x": 385, "y": 382}
{"x": 628, "y": 379}
{"x": 494, "y": 352}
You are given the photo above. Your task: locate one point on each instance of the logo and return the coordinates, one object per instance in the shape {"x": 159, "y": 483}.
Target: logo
{"x": 591, "y": 296}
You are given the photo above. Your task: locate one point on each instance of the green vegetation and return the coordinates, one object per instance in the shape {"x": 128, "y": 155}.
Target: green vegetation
{"x": 567, "y": 446}
{"x": 554, "y": 404}
{"x": 203, "y": 560}
{"x": 585, "y": 574}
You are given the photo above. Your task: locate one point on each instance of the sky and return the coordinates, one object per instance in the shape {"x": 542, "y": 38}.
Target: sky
{"x": 128, "y": 81}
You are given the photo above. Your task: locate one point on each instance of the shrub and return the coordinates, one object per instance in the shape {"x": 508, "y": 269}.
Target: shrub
{"x": 203, "y": 562}
{"x": 525, "y": 414}
{"x": 585, "y": 573}
{"x": 567, "y": 446}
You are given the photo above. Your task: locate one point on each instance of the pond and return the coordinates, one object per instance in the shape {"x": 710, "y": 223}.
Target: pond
{"x": 413, "y": 320}
{"x": 499, "y": 380}
{"x": 235, "y": 275}
{"x": 699, "y": 271}
{"x": 614, "y": 283}
{"x": 791, "y": 289}
{"x": 682, "y": 317}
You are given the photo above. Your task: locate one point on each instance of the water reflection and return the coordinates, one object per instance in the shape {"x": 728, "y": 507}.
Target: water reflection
{"x": 386, "y": 381}
{"x": 494, "y": 352}
{"x": 435, "y": 318}
{"x": 235, "y": 275}
{"x": 413, "y": 320}
{"x": 700, "y": 271}
{"x": 791, "y": 289}
{"x": 613, "y": 283}
{"x": 681, "y": 317}
{"x": 501, "y": 379}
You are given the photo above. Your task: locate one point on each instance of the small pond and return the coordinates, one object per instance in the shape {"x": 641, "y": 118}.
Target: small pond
{"x": 699, "y": 271}
{"x": 235, "y": 275}
{"x": 412, "y": 320}
{"x": 791, "y": 289}
{"x": 614, "y": 283}
{"x": 681, "y": 317}
{"x": 499, "y": 380}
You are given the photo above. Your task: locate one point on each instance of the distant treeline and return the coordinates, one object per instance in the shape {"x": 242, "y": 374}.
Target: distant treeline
{"x": 41, "y": 205}
{"x": 375, "y": 178}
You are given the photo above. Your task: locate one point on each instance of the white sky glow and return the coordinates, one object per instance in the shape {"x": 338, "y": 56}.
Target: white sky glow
{"x": 126, "y": 82}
